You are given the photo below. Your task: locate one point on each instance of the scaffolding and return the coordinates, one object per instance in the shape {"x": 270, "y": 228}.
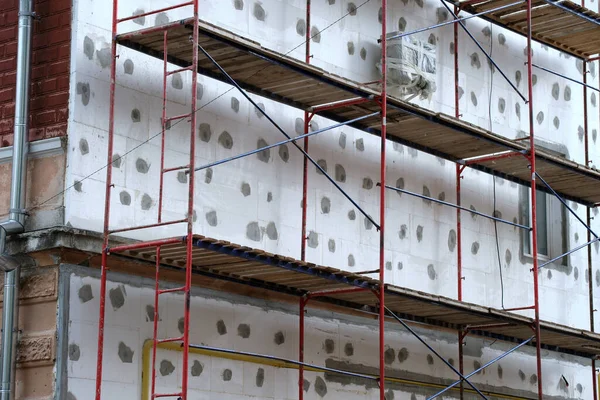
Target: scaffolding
{"x": 199, "y": 47}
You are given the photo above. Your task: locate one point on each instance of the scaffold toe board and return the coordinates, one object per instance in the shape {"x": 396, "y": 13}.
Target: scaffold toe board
{"x": 248, "y": 266}
{"x": 297, "y": 84}
{"x": 563, "y": 24}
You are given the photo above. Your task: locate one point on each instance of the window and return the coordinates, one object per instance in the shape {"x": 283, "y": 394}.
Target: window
{"x": 551, "y": 226}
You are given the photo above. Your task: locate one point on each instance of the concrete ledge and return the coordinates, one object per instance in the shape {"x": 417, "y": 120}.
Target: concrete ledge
{"x": 37, "y": 149}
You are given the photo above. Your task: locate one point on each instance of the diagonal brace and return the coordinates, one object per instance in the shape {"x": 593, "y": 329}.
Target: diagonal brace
{"x": 501, "y": 356}
{"x": 243, "y": 93}
{"x": 415, "y": 334}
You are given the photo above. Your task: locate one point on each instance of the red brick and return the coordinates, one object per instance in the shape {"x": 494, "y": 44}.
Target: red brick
{"x": 45, "y": 55}
{"x": 10, "y": 49}
{"x": 62, "y": 114}
{"x": 8, "y": 64}
{"x": 38, "y": 71}
{"x": 6, "y": 140}
{"x": 48, "y": 22}
{"x": 64, "y": 51}
{"x": 60, "y": 67}
{"x": 51, "y": 100}
{"x": 6, "y": 125}
{"x": 59, "y": 36}
{"x": 48, "y": 85}
{"x": 44, "y": 118}
{"x": 63, "y": 82}
{"x": 37, "y": 134}
{"x": 9, "y": 110}
{"x": 7, "y": 95}
{"x": 8, "y": 34}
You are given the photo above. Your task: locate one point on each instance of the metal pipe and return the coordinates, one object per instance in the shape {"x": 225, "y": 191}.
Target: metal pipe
{"x": 458, "y": 207}
{"x": 307, "y": 118}
{"x": 16, "y": 219}
{"x": 243, "y": 93}
{"x": 501, "y": 356}
{"x": 454, "y": 21}
{"x": 491, "y": 60}
{"x": 584, "y": 83}
{"x": 301, "y": 349}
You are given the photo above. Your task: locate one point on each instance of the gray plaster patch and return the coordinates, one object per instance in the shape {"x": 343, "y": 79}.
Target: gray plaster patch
{"x": 597, "y": 277}
{"x": 142, "y": 166}
{"x": 312, "y": 240}
{"x": 579, "y": 388}
{"x": 74, "y": 352}
{"x": 71, "y": 396}
{"x": 272, "y": 233}
{"x": 128, "y": 67}
{"x": 211, "y": 218}
{"x": 103, "y": 55}
{"x": 400, "y": 185}
{"x": 442, "y": 196}
{"x": 363, "y": 53}
{"x": 442, "y": 14}
{"x": 580, "y": 132}
{"x": 245, "y": 189}
{"x": 451, "y": 240}
{"x": 342, "y": 140}
{"x": 413, "y": 152}
{"x": 182, "y": 177}
{"x": 522, "y": 375}
{"x": 325, "y": 205}
{"x": 398, "y": 147}
{"x": 350, "y": 47}
{"x": 555, "y": 90}
{"x": 368, "y": 224}
{"x": 360, "y": 145}
{"x": 85, "y": 293}
{"x": 475, "y": 248}
{"x": 461, "y": 92}
{"x": 315, "y": 34}
{"x": 533, "y": 379}
{"x": 301, "y": 27}
{"x": 380, "y": 15}
{"x": 331, "y": 245}
{"x": 486, "y": 31}
{"x": 540, "y": 117}
{"x": 403, "y": 231}
{"x": 221, "y": 327}
{"x": 84, "y": 147}
{"x": 399, "y": 266}
{"x": 556, "y": 122}
{"x": 161, "y": 19}
{"x": 329, "y": 346}
{"x": 299, "y": 126}
{"x": 181, "y": 325}
{"x": 253, "y": 232}
{"x": 204, "y": 132}
{"x": 419, "y": 3}
{"x": 139, "y": 20}
{"x": 238, "y": 4}
{"x": 579, "y": 65}
{"x": 419, "y": 233}
{"x": 475, "y": 62}
{"x": 351, "y": 260}
{"x": 166, "y": 367}
{"x": 227, "y": 375}
{"x": 320, "y": 387}
{"x": 305, "y": 385}
{"x": 403, "y": 354}
{"x": 429, "y": 359}
{"x": 500, "y": 371}
{"x": 279, "y": 338}
{"x": 549, "y": 275}
{"x": 501, "y": 105}
{"x": 432, "y": 39}
{"x": 367, "y": 183}
{"x": 476, "y": 366}
{"x": 473, "y": 215}
{"x": 389, "y": 395}
{"x": 117, "y": 297}
{"x": 264, "y": 155}
{"x": 340, "y": 173}
{"x": 351, "y": 215}
{"x": 349, "y": 349}
{"x": 474, "y": 99}
{"x": 451, "y": 47}
{"x": 149, "y": 313}
{"x": 284, "y": 153}
{"x": 125, "y": 198}
{"x": 431, "y": 272}
{"x": 518, "y": 77}
{"x": 401, "y": 24}
{"x": 593, "y": 99}
{"x": 576, "y": 236}
{"x": 235, "y": 104}
{"x": 388, "y": 265}
{"x": 507, "y": 257}
{"x": 225, "y": 140}
{"x": 269, "y": 197}
{"x": 88, "y": 47}
{"x": 426, "y": 193}
{"x": 125, "y": 353}
{"x": 260, "y": 377}
{"x": 259, "y": 110}
{"x": 567, "y": 93}
{"x": 518, "y": 110}
{"x": 177, "y": 81}
{"x": 197, "y": 368}
{"x": 116, "y": 160}
{"x": 77, "y": 185}
{"x": 146, "y": 202}
{"x": 576, "y": 273}
{"x": 259, "y": 12}
{"x": 314, "y": 126}
{"x": 351, "y": 8}
{"x": 501, "y": 39}
{"x": 243, "y": 331}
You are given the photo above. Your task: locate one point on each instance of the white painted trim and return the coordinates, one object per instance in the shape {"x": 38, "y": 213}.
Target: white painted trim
{"x": 37, "y": 149}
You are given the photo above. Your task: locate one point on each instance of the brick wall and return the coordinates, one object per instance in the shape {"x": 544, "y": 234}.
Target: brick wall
{"x": 49, "y": 70}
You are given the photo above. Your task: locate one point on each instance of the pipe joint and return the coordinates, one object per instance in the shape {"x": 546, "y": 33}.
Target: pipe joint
{"x": 12, "y": 226}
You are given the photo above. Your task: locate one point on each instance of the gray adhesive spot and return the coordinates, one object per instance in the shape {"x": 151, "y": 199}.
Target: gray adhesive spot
{"x": 315, "y": 34}
{"x": 451, "y": 48}
{"x": 518, "y": 77}
{"x": 257, "y": 110}
{"x": 403, "y": 231}
{"x": 501, "y": 105}
{"x": 580, "y": 132}
{"x": 125, "y": 198}
{"x": 413, "y": 397}
{"x": 567, "y": 93}
{"x": 389, "y": 395}
{"x": 474, "y": 99}
{"x": 269, "y": 197}
{"x": 182, "y": 177}
{"x": 104, "y": 57}
{"x": 349, "y": 349}
{"x": 329, "y": 346}
{"x": 204, "y": 132}
{"x": 197, "y": 368}
{"x": 578, "y": 387}
{"x": 522, "y": 375}
{"x": 461, "y": 92}
{"x": 88, "y": 47}
{"x": 299, "y": 126}
{"x": 272, "y": 233}
{"x": 161, "y": 19}
{"x": 597, "y": 277}
{"x": 85, "y": 293}
{"x": 243, "y": 331}
{"x": 593, "y": 99}
{"x": 141, "y": 166}
{"x": 501, "y": 39}
{"x": 301, "y": 27}
{"x": 166, "y": 367}
{"x": 360, "y": 145}
{"x": 518, "y": 110}
{"x": 399, "y": 266}
{"x": 475, "y": 62}
{"x": 125, "y": 353}
{"x": 128, "y": 67}
{"x": 413, "y": 152}
{"x": 284, "y": 153}
{"x": 389, "y": 356}
{"x": 500, "y": 371}
{"x": 71, "y": 396}
{"x": 419, "y": 233}
{"x": 556, "y": 122}
{"x": 429, "y": 359}
{"x": 475, "y": 248}
{"x": 388, "y": 265}
{"x": 401, "y": 24}
{"x": 149, "y": 313}
{"x": 555, "y": 90}
{"x": 225, "y": 140}
{"x": 403, "y": 354}
{"x": 235, "y": 104}
{"x": 313, "y": 240}
{"x": 84, "y": 148}
{"x": 533, "y": 379}
{"x": 451, "y": 240}
{"x": 426, "y": 193}
{"x": 562, "y": 385}
{"x": 227, "y": 375}
{"x": 253, "y": 232}
{"x": 576, "y": 273}
{"x": 400, "y": 185}
{"x": 579, "y": 65}
{"x": 431, "y": 272}
{"x": 363, "y": 53}
{"x": 325, "y": 205}
{"x": 279, "y": 338}
{"x": 419, "y": 3}
{"x": 342, "y": 140}
{"x": 238, "y": 4}
{"x": 116, "y": 160}
{"x": 139, "y": 20}
{"x": 473, "y": 215}
{"x": 540, "y": 117}
{"x": 77, "y": 185}
{"x": 380, "y": 15}
{"x": 351, "y": 9}
{"x": 211, "y": 218}
{"x": 351, "y": 215}
{"x": 221, "y": 328}
{"x": 259, "y": 12}
{"x": 442, "y": 196}
{"x": 260, "y": 377}
{"x": 508, "y": 257}
{"x": 340, "y": 173}
{"x": 367, "y": 183}
{"x": 431, "y": 39}
{"x": 245, "y": 189}
{"x": 181, "y": 325}
{"x": 117, "y": 297}
{"x": 441, "y": 14}
{"x": 398, "y": 147}
{"x": 549, "y": 274}
{"x": 486, "y": 31}
{"x": 176, "y": 81}
{"x": 264, "y": 155}
{"x": 305, "y": 385}
{"x": 476, "y": 366}
{"x": 451, "y": 361}
{"x": 368, "y": 224}
{"x": 320, "y": 387}
{"x": 350, "y": 48}
{"x": 351, "y": 260}
{"x": 74, "y": 352}
{"x": 146, "y": 202}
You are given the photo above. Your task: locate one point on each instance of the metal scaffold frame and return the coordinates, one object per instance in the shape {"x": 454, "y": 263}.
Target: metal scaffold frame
{"x": 377, "y": 289}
